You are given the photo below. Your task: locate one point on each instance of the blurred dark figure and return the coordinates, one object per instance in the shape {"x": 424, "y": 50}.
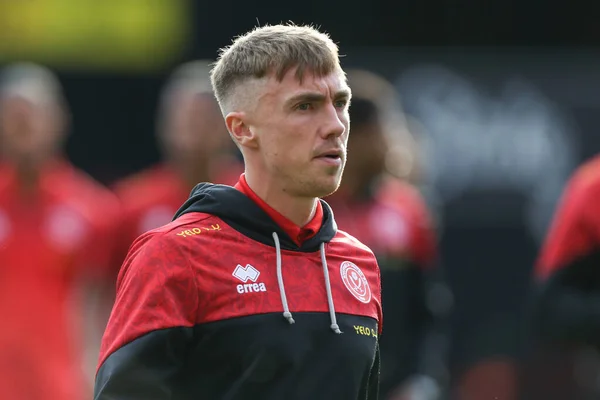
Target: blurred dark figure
{"x": 55, "y": 236}
{"x": 564, "y": 359}
{"x": 196, "y": 148}
{"x": 378, "y": 204}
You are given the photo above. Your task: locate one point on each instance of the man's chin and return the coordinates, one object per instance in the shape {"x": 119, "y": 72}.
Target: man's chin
{"x": 327, "y": 188}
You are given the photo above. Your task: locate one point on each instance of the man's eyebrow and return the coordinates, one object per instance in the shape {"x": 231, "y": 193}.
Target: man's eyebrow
{"x": 316, "y": 96}
{"x": 305, "y": 97}
{"x": 344, "y": 93}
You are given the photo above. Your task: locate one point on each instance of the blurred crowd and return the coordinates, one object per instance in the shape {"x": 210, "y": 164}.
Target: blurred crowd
{"x": 63, "y": 237}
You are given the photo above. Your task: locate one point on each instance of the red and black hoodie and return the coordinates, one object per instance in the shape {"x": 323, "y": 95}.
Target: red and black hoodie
{"x": 223, "y": 304}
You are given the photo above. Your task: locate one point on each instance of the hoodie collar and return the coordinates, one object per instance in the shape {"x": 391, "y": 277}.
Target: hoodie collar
{"x": 243, "y": 214}
{"x": 296, "y": 233}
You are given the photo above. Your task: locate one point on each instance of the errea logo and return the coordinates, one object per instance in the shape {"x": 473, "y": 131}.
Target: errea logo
{"x": 245, "y": 274}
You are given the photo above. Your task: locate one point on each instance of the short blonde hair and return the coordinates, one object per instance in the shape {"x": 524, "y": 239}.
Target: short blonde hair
{"x": 272, "y": 50}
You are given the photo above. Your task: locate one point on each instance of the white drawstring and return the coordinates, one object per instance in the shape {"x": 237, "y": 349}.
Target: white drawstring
{"x": 286, "y": 309}
{"x": 334, "y": 326}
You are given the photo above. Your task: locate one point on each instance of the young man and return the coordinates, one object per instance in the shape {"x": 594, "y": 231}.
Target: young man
{"x": 379, "y": 205}
{"x": 55, "y": 234}
{"x": 195, "y": 146}
{"x": 252, "y": 292}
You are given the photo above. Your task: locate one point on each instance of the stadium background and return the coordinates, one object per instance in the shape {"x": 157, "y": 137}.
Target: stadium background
{"x": 504, "y": 97}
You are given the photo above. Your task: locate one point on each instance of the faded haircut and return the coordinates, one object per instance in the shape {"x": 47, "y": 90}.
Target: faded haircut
{"x": 272, "y": 50}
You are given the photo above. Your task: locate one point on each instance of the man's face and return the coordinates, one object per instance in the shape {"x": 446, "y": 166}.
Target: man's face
{"x": 195, "y": 129}
{"x": 30, "y": 132}
{"x": 302, "y": 132}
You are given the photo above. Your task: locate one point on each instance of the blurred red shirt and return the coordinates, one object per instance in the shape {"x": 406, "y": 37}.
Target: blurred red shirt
{"x": 150, "y": 198}
{"x": 49, "y": 239}
{"x": 575, "y": 229}
{"x": 393, "y": 221}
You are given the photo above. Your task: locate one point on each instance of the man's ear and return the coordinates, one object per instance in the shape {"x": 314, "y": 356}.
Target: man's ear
{"x": 240, "y": 130}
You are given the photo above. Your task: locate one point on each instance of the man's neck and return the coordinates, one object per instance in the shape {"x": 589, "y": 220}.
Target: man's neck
{"x": 299, "y": 210}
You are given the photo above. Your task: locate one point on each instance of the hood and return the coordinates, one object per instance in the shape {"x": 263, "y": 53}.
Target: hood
{"x": 246, "y": 217}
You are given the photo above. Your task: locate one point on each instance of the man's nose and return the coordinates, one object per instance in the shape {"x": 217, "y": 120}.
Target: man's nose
{"x": 336, "y": 122}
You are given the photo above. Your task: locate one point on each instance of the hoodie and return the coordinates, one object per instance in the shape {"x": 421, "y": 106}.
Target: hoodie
{"x": 222, "y": 304}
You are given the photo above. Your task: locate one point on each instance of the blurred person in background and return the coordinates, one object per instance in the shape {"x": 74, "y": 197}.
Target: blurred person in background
{"x": 566, "y": 323}
{"x": 55, "y": 240}
{"x": 379, "y": 205}
{"x": 195, "y": 146}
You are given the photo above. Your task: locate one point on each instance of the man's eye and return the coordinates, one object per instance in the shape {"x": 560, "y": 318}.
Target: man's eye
{"x": 340, "y": 103}
{"x": 304, "y": 106}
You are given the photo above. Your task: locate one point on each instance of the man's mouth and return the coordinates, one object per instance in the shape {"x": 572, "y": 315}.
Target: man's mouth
{"x": 333, "y": 157}
{"x": 332, "y": 154}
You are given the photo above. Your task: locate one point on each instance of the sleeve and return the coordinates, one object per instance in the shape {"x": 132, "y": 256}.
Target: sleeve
{"x": 566, "y": 304}
{"x": 151, "y": 324}
{"x": 570, "y": 235}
